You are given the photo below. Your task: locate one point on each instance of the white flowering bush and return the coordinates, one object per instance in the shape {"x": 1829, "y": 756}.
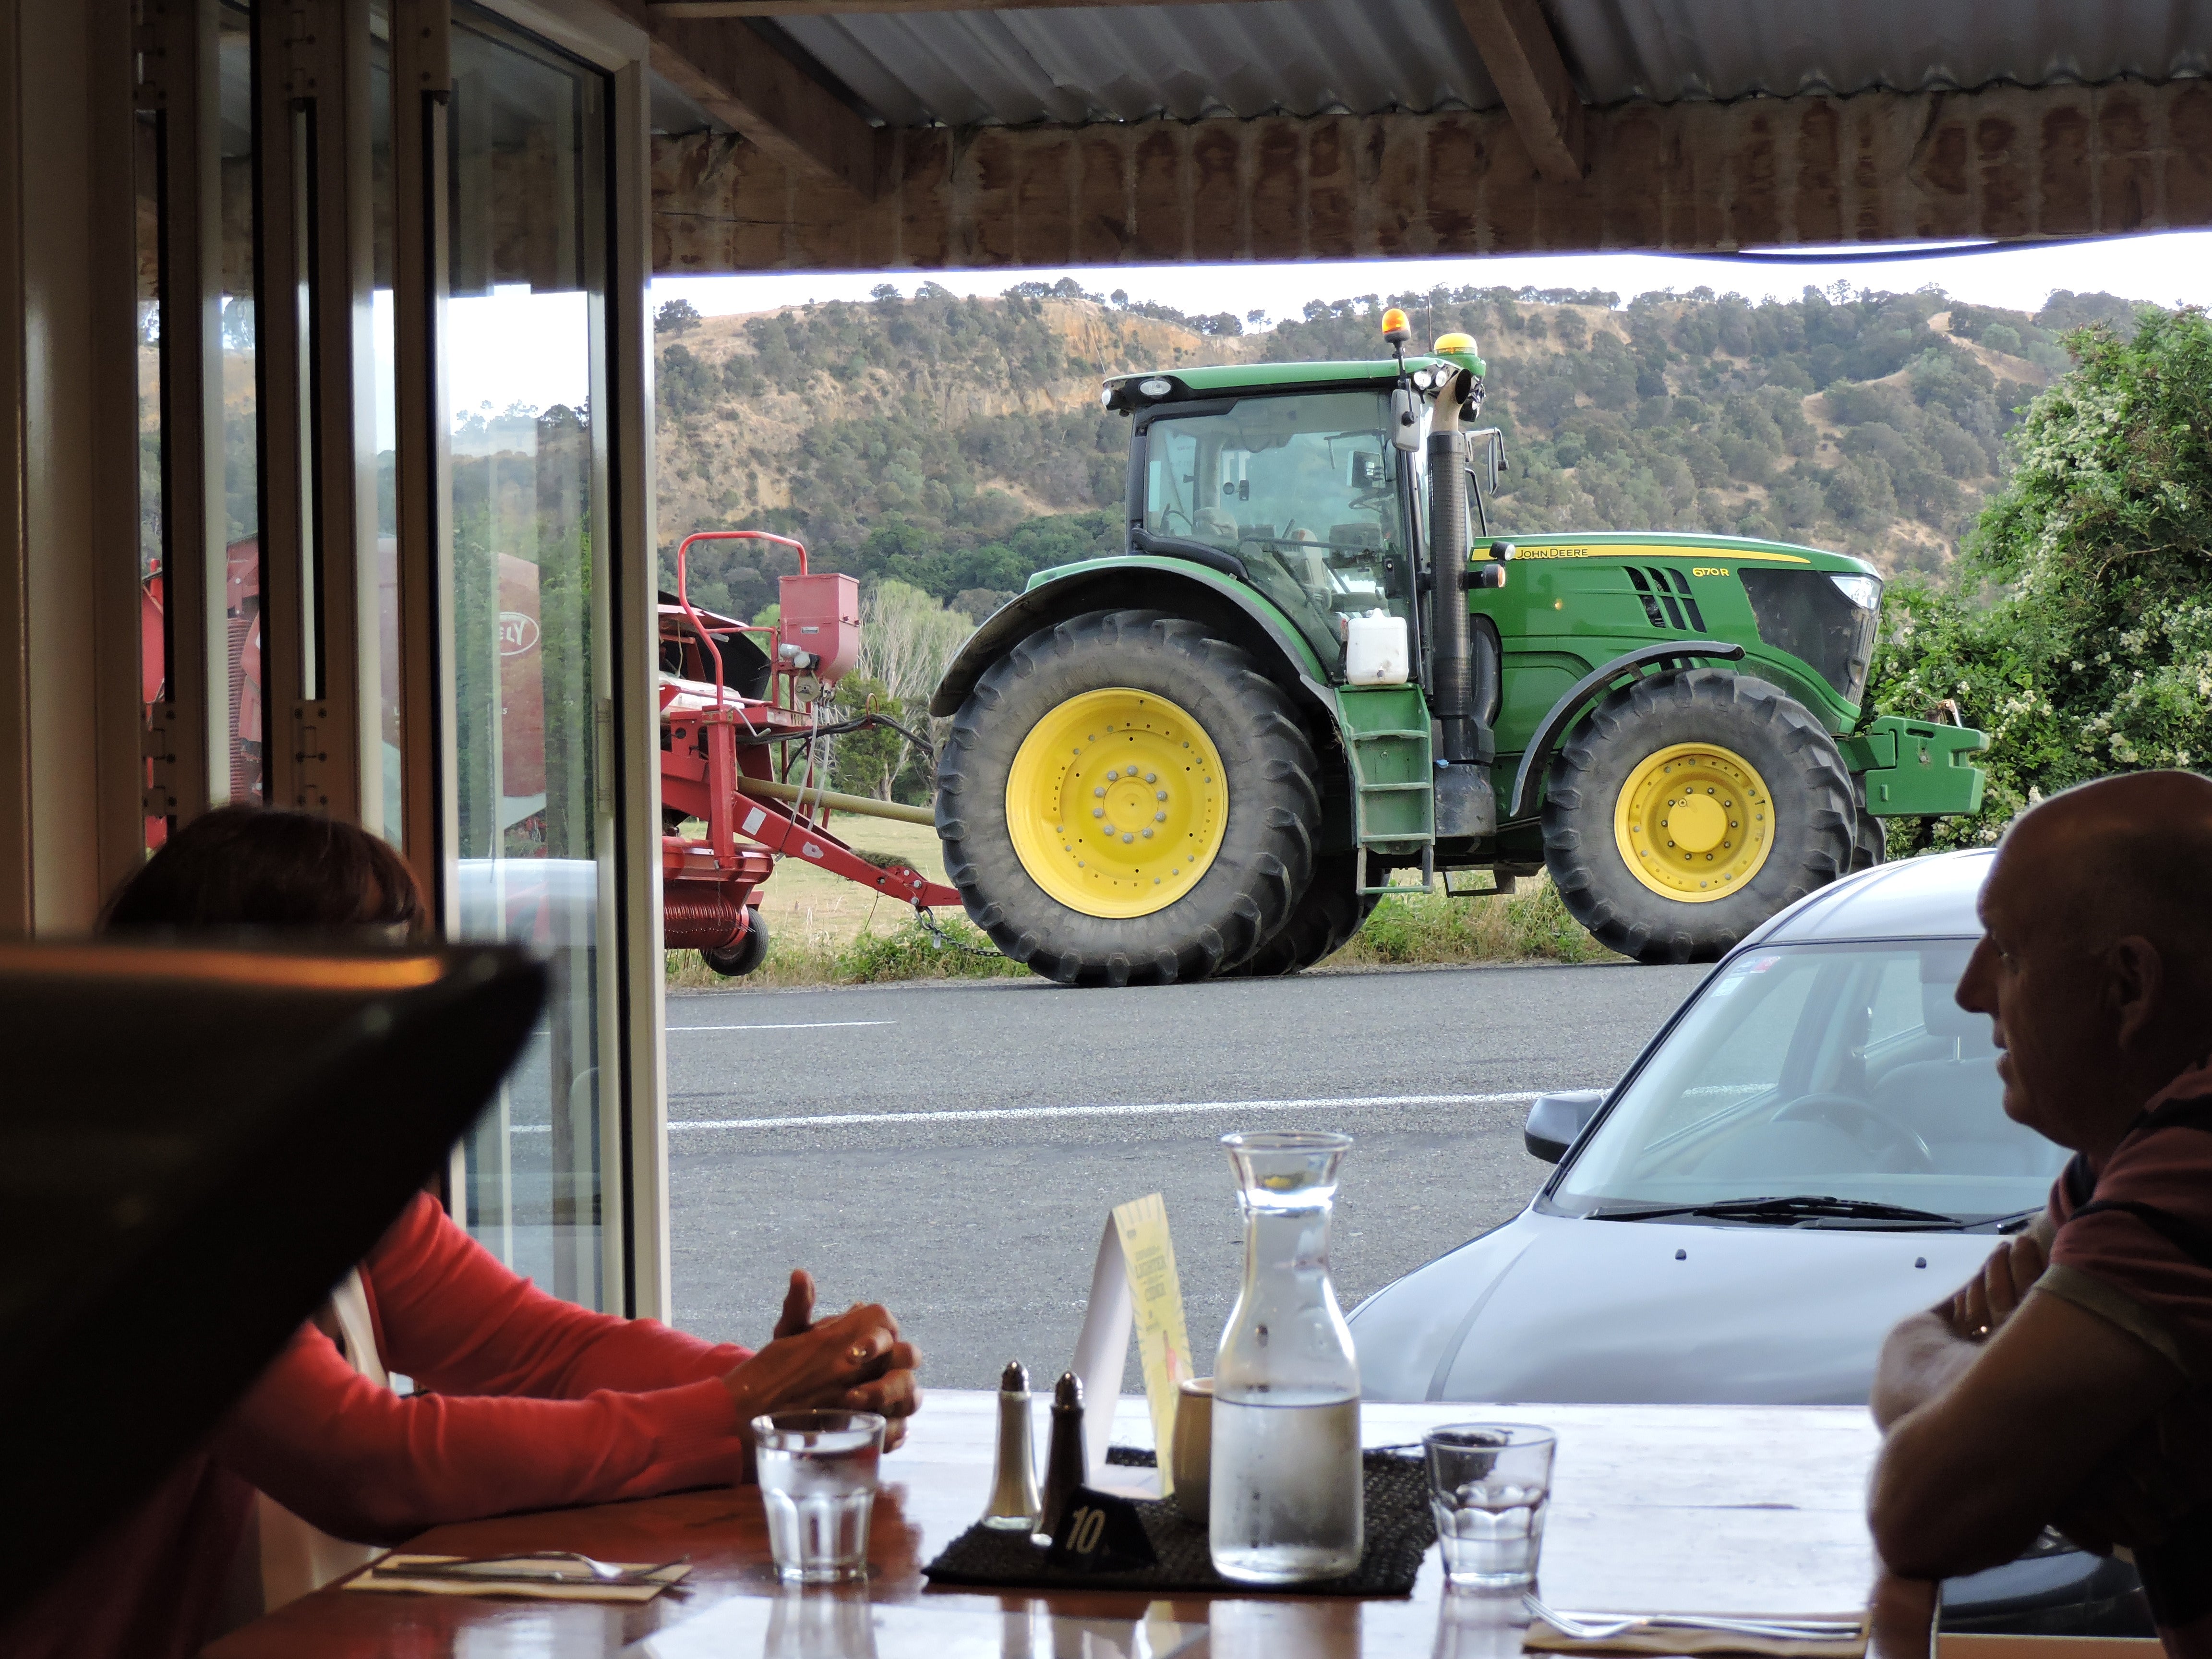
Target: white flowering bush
{"x": 2077, "y": 627}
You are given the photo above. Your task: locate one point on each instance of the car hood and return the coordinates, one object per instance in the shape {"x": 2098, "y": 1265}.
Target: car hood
{"x": 1553, "y": 1308}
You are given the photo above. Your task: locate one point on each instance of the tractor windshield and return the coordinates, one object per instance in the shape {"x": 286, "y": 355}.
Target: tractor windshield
{"x": 1304, "y": 488}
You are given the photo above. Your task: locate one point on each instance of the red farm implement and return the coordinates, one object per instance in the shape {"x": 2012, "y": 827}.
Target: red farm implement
{"x": 745, "y": 718}
{"x": 742, "y": 735}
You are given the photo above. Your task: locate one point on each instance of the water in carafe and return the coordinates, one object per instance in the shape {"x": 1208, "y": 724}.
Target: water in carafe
{"x": 1285, "y": 1506}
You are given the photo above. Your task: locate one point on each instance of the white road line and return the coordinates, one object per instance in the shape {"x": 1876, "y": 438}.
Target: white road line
{"x": 1154, "y": 1108}
{"x": 799, "y": 1025}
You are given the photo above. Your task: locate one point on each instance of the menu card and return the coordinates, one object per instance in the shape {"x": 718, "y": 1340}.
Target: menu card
{"x": 1134, "y": 1283}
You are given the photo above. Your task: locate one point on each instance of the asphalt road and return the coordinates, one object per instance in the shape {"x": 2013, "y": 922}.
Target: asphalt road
{"x": 952, "y": 1151}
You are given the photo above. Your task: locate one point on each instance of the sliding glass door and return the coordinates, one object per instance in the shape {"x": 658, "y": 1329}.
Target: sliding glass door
{"x": 526, "y": 342}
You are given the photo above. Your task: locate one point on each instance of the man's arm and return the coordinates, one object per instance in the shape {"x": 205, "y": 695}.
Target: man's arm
{"x": 1971, "y": 1474}
{"x": 1929, "y": 1352}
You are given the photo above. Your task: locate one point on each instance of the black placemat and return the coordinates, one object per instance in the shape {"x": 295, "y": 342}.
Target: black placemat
{"x": 1398, "y": 1530}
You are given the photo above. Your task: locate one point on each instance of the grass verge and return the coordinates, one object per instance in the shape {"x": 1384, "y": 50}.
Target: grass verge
{"x": 1416, "y": 930}
{"x": 1434, "y": 930}
{"x": 908, "y": 951}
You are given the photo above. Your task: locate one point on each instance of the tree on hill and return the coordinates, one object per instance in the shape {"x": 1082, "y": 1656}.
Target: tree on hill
{"x": 911, "y": 440}
{"x": 2079, "y": 635}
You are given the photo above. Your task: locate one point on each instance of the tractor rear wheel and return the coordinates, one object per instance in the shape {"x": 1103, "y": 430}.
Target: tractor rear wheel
{"x": 1325, "y": 917}
{"x": 1688, "y": 808}
{"x": 1125, "y": 799}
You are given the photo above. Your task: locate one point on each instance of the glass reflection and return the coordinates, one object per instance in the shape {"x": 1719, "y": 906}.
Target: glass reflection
{"x": 524, "y": 337}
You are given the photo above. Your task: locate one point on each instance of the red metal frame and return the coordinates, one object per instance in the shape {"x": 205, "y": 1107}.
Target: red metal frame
{"x": 710, "y": 749}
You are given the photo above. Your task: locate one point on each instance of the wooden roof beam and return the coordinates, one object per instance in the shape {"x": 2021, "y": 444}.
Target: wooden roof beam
{"x": 741, "y": 79}
{"x": 1523, "y": 56}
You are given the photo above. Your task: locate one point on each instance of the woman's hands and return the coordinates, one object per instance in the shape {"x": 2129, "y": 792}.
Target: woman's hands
{"x": 854, "y": 1362}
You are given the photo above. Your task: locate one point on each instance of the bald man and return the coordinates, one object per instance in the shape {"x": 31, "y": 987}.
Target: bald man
{"x": 2070, "y": 1383}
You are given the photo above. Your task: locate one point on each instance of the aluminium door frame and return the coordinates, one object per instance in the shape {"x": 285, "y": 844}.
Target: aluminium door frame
{"x": 633, "y": 1105}
{"x": 314, "y": 277}
{"x": 188, "y": 731}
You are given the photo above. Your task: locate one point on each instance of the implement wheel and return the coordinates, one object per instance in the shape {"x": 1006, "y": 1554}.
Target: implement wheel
{"x": 736, "y": 961}
{"x": 1329, "y": 913}
{"x": 1686, "y": 809}
{"x": 1126, "y": 800}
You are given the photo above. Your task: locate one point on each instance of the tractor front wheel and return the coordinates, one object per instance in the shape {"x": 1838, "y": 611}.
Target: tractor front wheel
{"x": 1688, "y": 808}
{"x": 1320, "y": 923}
{"x": 1125, "y": 799}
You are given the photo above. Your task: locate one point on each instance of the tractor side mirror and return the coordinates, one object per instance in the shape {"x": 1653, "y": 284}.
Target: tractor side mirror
{"x": 1406, "y": 420}
{"x": 1556, "y": 1120}
{"x": 1487, "y": 449}
{"x": 1368, "y": 472}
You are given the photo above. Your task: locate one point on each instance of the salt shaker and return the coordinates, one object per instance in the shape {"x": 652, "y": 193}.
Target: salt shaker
{"x": 1065, "y": 1467}
{"x": 1014, "y": 1504}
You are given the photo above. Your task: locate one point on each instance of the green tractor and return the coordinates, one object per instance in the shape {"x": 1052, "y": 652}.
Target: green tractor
{"x": 1312, "y": 666}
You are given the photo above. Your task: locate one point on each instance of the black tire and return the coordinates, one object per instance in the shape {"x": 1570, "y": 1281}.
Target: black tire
{"x": 1266, "y": 857}
{"x": 1869, "y": 837}
{"x": 1326, "y": 915}
{"x": 1814, "y": 813}
{"x": 736, "y": 961}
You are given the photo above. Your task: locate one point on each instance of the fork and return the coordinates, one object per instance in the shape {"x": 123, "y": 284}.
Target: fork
{"x": 596, "y": 1571}
{"x": 1597, "y": 1629}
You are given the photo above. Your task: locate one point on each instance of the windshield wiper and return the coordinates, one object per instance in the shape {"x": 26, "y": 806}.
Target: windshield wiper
{"x": 1804, "y": 1207}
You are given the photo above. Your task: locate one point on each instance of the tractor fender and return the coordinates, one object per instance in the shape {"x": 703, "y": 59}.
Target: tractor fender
{"x": 1137, "y": 582}
{"x": 1577, "y": 696}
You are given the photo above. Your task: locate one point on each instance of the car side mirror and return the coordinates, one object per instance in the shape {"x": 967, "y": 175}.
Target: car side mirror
{"x": 1557, "y": 1120}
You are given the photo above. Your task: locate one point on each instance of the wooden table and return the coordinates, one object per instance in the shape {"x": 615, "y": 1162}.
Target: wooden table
{"x": 1655, "y": 1509}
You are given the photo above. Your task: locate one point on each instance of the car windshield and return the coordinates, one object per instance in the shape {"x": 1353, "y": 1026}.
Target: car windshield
{"x": 1835, "y": 1072}
{"x": 1303, "y": 487}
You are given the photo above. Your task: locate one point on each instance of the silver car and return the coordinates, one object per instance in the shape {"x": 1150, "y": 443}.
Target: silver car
{"x": 1813, "y": 1147}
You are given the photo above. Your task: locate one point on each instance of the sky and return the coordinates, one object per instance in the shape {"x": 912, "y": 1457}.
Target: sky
{"x": 515, "y": 347}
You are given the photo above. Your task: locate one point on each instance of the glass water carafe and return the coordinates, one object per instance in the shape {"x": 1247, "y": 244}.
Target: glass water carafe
{"x": 1284, "y": 1507}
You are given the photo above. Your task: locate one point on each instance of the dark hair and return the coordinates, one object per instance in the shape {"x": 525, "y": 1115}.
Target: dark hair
{"x": 260, "y": 866}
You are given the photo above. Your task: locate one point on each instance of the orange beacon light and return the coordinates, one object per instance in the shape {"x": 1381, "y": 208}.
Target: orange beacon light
{"x": 1396, "y": 329}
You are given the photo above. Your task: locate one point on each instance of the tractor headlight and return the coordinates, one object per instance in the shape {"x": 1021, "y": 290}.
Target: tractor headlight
{"x": 1156, "y": 387}
{"x": 1824, "y": 619}
{"x": 1864, "y": 592}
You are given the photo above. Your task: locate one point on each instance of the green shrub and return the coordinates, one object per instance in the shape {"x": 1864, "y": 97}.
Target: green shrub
{"x": 2079, "y": 632}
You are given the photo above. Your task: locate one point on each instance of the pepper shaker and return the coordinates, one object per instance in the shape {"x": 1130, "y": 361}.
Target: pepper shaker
{"x": 1014, "y": 1505}
{"x": 1065, "y": 1467}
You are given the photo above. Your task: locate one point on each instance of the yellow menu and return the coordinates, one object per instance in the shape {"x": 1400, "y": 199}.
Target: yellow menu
{"x": 1163, "y": 1344}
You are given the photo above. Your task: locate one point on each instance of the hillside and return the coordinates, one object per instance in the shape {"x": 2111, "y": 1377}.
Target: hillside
{"x": 957, "y": 443}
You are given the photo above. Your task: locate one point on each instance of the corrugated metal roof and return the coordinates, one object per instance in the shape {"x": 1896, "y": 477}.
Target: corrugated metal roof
{"x": 1671, "y": 50}
{"x": 1074, "y": 65}
{"x": 1070, "y": 66}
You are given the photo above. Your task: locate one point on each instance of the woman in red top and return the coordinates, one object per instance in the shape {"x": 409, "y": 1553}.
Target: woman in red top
{"x": 523, "y": 1401}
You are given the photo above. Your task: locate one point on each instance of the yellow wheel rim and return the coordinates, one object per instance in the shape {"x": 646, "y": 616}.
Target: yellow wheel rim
{"x": 1694, "y": 823}
{"x": 1116, "y": 803}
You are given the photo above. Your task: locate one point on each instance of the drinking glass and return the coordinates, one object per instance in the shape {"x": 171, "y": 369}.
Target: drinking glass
{"x": 818, "y": 1480}
{"x": 1490, "y": 1485}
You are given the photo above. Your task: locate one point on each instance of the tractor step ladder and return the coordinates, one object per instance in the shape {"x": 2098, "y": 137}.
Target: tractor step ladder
{"x": 1386, "y": 731}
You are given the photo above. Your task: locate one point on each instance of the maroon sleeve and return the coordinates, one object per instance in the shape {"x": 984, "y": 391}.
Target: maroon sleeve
{"x": 364, "y": 1463}
{"x": 2141, "y": 1243}
{"x": 450, "y": 1314}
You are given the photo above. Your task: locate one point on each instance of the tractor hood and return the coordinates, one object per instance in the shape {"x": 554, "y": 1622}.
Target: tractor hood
{"x": 1556, "y": 1308}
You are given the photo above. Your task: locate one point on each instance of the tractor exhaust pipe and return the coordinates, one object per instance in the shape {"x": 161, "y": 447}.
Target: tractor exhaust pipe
{"x": 1465, "y": 806}
{"x": 1451, "y": 649}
